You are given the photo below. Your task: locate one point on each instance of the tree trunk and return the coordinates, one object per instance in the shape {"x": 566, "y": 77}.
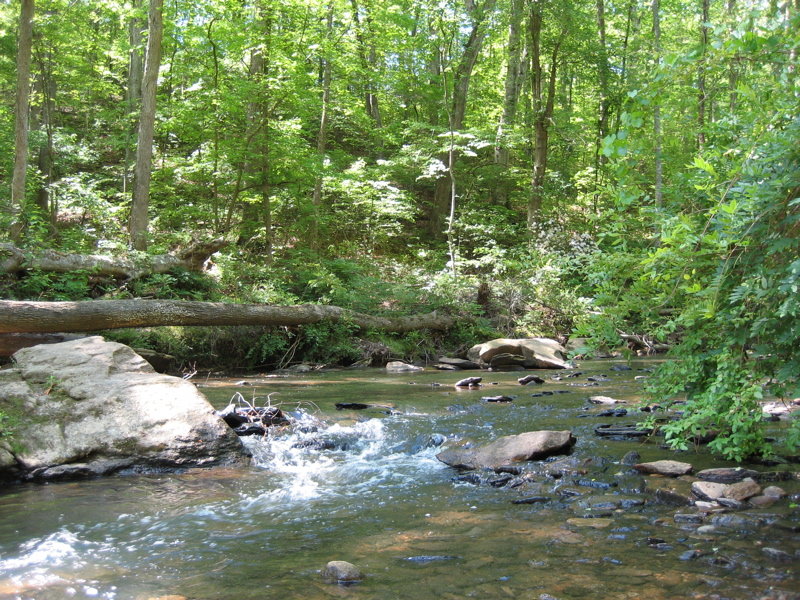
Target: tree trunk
{"x": 443, "y": 194}
{"x": 258, "y": 216}
{"x": 701, "y": 77}
{"x": 193, "y": 258}
{"x": 21, "y": 110}
{"x": 542, "y": 109}
{"x": 659, "y": 167}
{"x": 368, "y": 57}
{"x": 133, "y": 92}
{"x": 94, "y": 315}
{"x": 43, "y": 123}
{"x": 604, "y": 107}
{"x": 516, "y": 69}
{"x": 322, "y": 133}
{"x": 144, "y": 147}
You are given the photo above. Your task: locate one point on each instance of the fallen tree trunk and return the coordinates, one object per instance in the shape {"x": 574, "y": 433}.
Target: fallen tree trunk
{"x": 94, "y": 315}
{"x": 193, "y": 258}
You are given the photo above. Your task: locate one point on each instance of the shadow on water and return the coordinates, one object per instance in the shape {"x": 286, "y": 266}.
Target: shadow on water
{"x": 365, "y": 486}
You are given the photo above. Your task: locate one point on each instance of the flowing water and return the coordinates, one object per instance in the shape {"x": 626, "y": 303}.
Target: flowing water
{"x": 365, "y": 487}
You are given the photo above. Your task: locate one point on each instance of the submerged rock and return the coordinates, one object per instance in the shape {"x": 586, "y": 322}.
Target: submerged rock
{"x": 341, "y": 571}
{"x": 509, "y": 449}
{"x": 669, "y": 468}
{"x": 95, "y": 407}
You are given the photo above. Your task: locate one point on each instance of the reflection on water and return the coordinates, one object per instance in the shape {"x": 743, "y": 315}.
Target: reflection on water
{"x": 365, "y": 486}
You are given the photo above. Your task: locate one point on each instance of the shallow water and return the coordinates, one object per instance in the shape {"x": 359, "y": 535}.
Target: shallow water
{"x": 380, "y": 499}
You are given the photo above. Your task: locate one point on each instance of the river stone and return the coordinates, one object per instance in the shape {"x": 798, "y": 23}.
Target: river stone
{"x": 397, "y": 366}
{"x": 742, "y": 490}
{"x": 774, "y": 491}
{"x": 726, "y": 474}
{"x": 94, "y": 407}
{"x": 604, "y": 400}
{"x": 535, "y": 353}
{"x": 342, "y": 571}
{"x": 708, "y": 490}
{"x": 669, "y": 468}
{"x": 509, "y": 449}
{"x": 461, "y": 363}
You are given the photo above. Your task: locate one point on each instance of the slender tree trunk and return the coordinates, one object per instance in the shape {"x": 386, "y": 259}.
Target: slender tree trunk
{"x": 257, "y": 216}
{"x": 46, "y": 87}
{"x": 701, "y": 77}
{"x": 144, "y": 146}
{"x": 368, "y": 58}
{"x": 443, "y": 194}
{"x": 21, "y": 111}
{"x": 133, "y": 92}
{"x": 543, "y": 102}
{"x": 659, "y": 167}
{"x": 733, "y": 69}
{"x": 515, "y": 75}
{"x": 604, "y": 105}
{"x": 322, "y": 133}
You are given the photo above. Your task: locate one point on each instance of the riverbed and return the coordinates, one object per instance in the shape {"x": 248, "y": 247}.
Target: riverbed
{"x": 365, "y": 486}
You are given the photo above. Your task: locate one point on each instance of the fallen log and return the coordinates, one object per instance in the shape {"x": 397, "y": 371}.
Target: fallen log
{"x": 192, "y": 258}
{"x": 94, "y": 315}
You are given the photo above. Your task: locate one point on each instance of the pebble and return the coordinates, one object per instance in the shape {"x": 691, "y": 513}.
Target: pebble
{"x": 706, "y": 529}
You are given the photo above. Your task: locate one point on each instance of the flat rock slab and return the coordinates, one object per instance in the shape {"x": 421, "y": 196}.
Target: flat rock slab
{"x": 726, "y": 474}
{"x": 530, "y": 353}
{"x": 532, "y": 445}
{"x": 668, "y": 468}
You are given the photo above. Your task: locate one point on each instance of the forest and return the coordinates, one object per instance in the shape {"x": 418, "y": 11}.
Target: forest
{"x": 615, "y": 171}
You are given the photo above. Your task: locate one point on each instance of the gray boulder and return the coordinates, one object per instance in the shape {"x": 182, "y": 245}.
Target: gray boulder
{"x": 531, "y": 353}
{"x": 90, "y": 407}
{"x": 509, "y": 449}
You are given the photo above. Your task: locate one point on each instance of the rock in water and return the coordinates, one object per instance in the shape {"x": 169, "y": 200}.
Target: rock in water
{"x": 604, "y": 400}
{"x": 469, "y": 382}
{"x": 708, "y": 490}
{"x": 741, "y": 491}
{"x": 509, "y": 449}
{"x": 726, "y": 474}
{"x": 397, "y": 366}
{"x": 670, "y": 468}
{"x": 341, "y": 571}
{"x": 95, "y": 407}
{"x": 533, "y": 353}
{"x": 530, "y": 379}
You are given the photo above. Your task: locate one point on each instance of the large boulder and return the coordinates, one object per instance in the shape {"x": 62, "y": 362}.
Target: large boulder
{"x": 532, "y": 445}
{"x": 531, "y": 353}
{"x": 91, "y": 407}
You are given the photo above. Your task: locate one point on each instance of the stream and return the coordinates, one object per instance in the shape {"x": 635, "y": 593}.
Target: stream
{"x": 365, "y": 486}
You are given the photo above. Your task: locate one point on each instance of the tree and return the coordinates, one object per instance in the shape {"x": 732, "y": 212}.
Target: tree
{"x": 543, "y": 92}
{"x": 21, "y": 111}
{"x": 139, "y": 221}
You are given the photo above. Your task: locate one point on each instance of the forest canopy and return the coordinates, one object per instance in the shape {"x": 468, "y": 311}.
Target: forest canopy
{"x": 532, "y": 167}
